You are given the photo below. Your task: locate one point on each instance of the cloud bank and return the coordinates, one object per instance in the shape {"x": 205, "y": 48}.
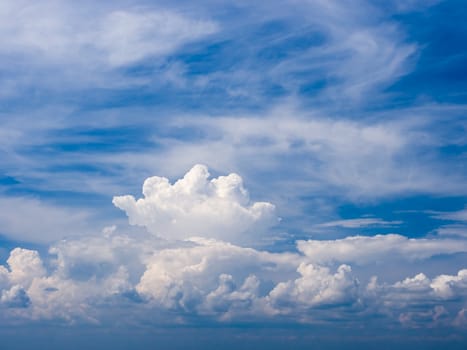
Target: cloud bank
{"x": 177, "y": 276}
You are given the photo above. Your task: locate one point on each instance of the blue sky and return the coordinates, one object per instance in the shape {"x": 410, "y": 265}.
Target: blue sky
{"x": 273, "y": 173}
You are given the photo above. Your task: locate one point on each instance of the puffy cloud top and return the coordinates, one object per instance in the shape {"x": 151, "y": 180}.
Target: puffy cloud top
{"x": 193, "y": 206}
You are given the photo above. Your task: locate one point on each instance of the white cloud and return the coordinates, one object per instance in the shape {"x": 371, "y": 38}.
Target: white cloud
{"x": 59, "y": 32}
{"x": 91, "y": 279}
{"x": 421, "y": 292}
{"x": 452, "y": 230}
{"x": 460, "y": 215}
{"x": 205, "y": 278}
{"x": 364, "y": 250}
{"x": 25, "y": 265}
{"x": 195, "y": 206}
{"x": 358, "y": 160}
{"x": 447, "y": 286}
{"x": 316, "y": 286}
{"x": 360, "y": 222}
{"x": 212, "y": 277}
{"x": 127, "y": 37}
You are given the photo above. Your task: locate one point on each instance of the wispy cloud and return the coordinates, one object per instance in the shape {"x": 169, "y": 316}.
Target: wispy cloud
{"x": 360, "y": 222}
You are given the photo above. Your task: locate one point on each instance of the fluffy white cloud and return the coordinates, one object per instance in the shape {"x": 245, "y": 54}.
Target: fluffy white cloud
{"x": 420, "y": 289}
{"x": 213, "y": 277}
{"x": 363, "y": 249}
{"x": 448, "y": 286}
{"x": 207, "y": 278}
{"x": 93, "y": 278}
{"x": 195, "y": 206}
{"x": 316, "y": 286}
{"x": 25, "y": 265}
{"x": 27, "y": 290}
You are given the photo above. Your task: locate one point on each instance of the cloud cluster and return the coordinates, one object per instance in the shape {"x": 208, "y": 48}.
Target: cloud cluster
{"x": 207, "y": 279}
{"x": 195, "y": 206}
{"x": 179, "y": 277}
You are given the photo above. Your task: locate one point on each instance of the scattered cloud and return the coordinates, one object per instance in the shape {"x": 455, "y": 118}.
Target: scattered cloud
{"x": 360, "y": 222}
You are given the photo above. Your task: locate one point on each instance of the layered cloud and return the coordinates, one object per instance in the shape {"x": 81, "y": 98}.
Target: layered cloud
{"x": 183, "y": 278}
{"x": 363, "y": 249}
{"x": 207, "y": 279}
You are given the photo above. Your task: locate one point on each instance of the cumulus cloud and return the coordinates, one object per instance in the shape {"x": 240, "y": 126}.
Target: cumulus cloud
{"x": 195, "y": 206}
{"x": 175, "y": 278}
{"x": 205, "y": 278}
{"x": 25, "y": 265}
{"x": 420, "y": 300}
{"x": 447, "y": 286}
{"x": 316, "y": 286}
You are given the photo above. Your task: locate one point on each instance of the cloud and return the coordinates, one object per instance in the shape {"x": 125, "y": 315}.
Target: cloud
{"x": 356, "y": 160}
{"x": 212, "y": 277}
{"x": 452, "y": 230}
{"x": 460, "y": 215}
{"x": 127, "y": 37}
{"x": 25, "y": 265}
{"x": 195, "y": 206}
{"x": 179, "y": 278}
{"x": 447, "y": 286}
{"x": 364, "y": 250}
{"x": 457, "y": 228}
{"x": 206, "y": 279}
{"x": 90, "y": 36}
{"x": 360, "y": 222}
{"x": 31, "y": 220}
{"x": 52, "y": 44}
{"x": 421, "y": 292}
{"x": 315, "y": 287}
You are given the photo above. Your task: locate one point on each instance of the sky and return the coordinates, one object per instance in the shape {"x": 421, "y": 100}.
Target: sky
{"x": 255, "y": 175}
